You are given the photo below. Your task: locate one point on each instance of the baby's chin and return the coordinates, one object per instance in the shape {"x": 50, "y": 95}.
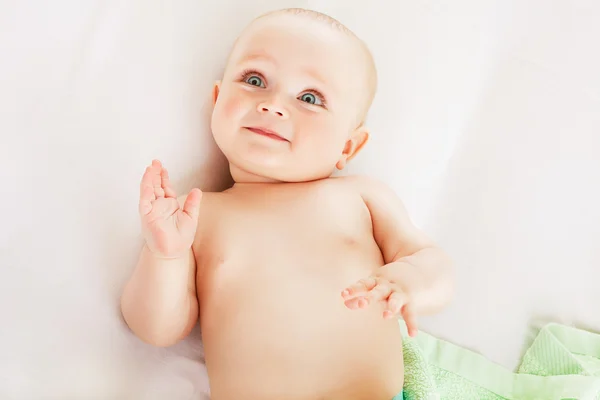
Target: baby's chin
{"x": 246, "y": 170}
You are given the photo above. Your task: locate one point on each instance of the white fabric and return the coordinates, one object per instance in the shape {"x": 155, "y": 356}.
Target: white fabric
{"x": 487, "y": 123}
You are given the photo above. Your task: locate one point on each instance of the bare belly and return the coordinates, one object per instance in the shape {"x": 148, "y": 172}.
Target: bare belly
{"x": 278, "y": 329}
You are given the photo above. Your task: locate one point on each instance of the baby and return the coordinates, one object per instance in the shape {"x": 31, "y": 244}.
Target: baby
{"x": 297, "y": 278}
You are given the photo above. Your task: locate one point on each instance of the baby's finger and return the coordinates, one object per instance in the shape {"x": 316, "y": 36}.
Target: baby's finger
{"x": 191, "y": 206}
{"x": 410, "y": 319}
{"x": 166, "y": 184}
{"x": 146, "y": 192}
{"x": 356, "y": 303}
{"x": 146, "y": 198}
{"x": 360, "y": 288}
{"x": 395, "y": 302}
{"x": 146, "y": 182}
{"x": 156, "y": 179}
{"x": 380, "y": 292}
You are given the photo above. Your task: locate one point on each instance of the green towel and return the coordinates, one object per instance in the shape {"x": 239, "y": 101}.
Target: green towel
{"x": 561, "y": 363}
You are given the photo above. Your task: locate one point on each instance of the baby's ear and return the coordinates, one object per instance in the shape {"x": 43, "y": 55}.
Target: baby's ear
{"x": 216, "y": 89}
{"x": 355, "y": 143}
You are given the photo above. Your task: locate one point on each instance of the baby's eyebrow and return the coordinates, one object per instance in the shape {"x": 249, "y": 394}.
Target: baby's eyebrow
{"x": 258, "y": 57}
{"x": 314, "y": 74}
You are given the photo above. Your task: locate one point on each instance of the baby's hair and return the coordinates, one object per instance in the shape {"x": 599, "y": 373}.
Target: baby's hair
{"x": 318, "y": 16}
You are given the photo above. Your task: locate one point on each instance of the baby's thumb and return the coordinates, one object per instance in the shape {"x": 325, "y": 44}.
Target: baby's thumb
{"x": 191, "y": 206}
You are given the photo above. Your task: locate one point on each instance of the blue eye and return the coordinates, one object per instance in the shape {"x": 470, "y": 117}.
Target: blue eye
{"x": 310, "y": 98}
{"x": 255, "y": 81}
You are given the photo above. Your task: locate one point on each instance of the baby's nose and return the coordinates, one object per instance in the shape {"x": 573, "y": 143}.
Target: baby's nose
{"x": 272, "y": 108}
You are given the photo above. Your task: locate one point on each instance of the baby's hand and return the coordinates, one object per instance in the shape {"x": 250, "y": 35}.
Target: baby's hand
{"x": 381, "y": 287}
{"x": 168, "y": 228}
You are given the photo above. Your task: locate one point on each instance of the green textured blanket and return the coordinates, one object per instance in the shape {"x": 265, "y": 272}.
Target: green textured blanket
{"x": 561, "y": 363}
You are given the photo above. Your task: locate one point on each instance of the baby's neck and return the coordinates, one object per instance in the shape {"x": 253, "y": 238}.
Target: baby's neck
{"x": 245, "y": 178}
{"x": 242, "y": 177}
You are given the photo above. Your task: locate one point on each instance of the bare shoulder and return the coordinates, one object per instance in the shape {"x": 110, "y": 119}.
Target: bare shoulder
{"x": 380, "y": 198}
{"x": 366, "y": 186}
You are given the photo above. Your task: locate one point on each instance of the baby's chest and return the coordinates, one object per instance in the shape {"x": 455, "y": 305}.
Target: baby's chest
{"x": 278, "y": 228}
{"x": 300, "y": 222}
{"x": 292, "y": 247}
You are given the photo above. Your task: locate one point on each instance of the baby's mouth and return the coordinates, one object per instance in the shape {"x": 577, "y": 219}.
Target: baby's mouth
{"x": 268, "y": 133}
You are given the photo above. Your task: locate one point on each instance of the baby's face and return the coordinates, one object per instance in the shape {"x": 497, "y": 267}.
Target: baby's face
{"x": 287, "y": 108}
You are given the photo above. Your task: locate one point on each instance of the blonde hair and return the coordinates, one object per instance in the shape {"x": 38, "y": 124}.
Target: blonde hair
{"x": 315, "y": 15}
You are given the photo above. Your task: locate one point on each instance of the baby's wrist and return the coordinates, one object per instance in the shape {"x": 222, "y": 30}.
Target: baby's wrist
{"x": 167, "y": 257}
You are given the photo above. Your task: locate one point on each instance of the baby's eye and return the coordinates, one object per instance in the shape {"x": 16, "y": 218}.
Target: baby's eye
{"x": 255, "y": 81}
{"x": 311, "y": 98}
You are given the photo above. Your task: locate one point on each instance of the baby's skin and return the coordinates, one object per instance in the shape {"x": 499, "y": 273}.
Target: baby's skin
{"x": 297, "y": 278}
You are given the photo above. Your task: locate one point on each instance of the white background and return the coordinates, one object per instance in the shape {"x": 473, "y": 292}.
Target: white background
{"x": 487, "y": 123}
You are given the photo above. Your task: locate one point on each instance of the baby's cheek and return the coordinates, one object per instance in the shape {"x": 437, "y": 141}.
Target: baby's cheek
{"x": 326, "y": 134}
{"x": 233, "y": 106}
{"x": 321, "y": 140}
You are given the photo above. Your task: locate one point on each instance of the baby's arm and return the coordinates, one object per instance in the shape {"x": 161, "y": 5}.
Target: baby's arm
{"x": 422, "y": 269}
{"x": 159, "y": 302}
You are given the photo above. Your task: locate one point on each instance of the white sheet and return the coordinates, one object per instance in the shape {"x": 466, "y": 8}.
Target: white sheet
{"x": 487, "y": 123}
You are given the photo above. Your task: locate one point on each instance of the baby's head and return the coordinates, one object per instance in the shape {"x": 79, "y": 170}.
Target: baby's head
{"x": 293, "y": 98}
